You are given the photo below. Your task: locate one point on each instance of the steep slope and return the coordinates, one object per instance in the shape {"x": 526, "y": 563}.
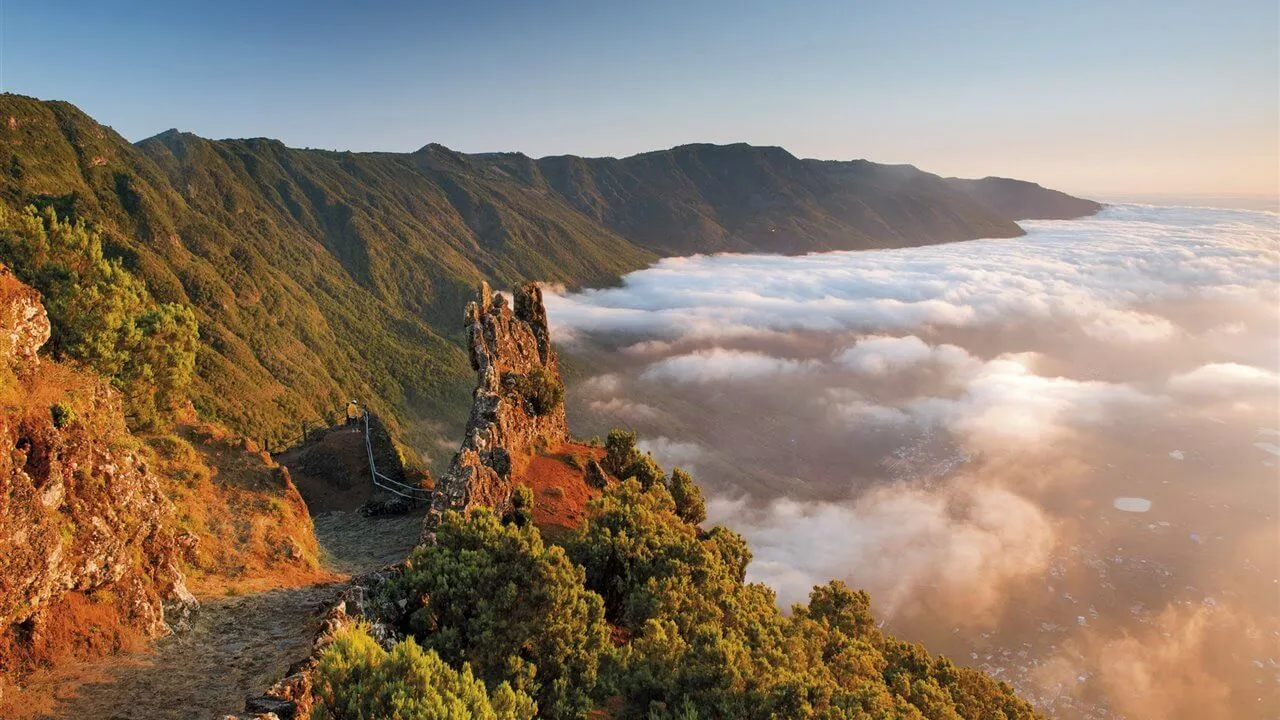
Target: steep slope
{"x": 321, "y": 276}
{"x": 87, "y": 555}
{"x": 315, "y": 276}
{"x": 711, "y": 198}
{"x": 102, "y": 530}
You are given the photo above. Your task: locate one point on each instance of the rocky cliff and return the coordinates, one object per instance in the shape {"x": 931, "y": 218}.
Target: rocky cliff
{"x": 517, "y": 408}
{"x": 86, "y": 558}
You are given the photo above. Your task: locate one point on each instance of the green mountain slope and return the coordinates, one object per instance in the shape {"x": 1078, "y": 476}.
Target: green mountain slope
{"x": 319, "y": 276}
{"x": 316, "y": 276}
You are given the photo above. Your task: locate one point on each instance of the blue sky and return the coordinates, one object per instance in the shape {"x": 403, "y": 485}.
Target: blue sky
{"x": 1093, "y": 97}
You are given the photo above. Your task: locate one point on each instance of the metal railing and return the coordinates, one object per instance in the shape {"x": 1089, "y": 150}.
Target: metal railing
{"x": 384, "y": 482}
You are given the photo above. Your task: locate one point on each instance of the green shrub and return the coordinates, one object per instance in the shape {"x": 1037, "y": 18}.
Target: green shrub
{"x": 539, "y": 392}
{"x": 688, "y": 498}
{"x": 495, "y": 596}
{"x": 624, "y": 459}
{"x": 101, "y": 314}
{"x": 706, "y": 644}
{"x": 62, "y": 414}
{"x": 620, "y": 451}
{"x": 357, "y": 680}
{"x": 521, "y": 510}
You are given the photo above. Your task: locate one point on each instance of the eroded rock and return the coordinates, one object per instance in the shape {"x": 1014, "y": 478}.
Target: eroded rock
{"x": 24, "y": 326}
{"x": 510, "y": 350}
{"x": 84, "y": 538}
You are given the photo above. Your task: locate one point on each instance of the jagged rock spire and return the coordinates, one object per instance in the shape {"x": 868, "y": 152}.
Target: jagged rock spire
{"x": 510, "y": 350}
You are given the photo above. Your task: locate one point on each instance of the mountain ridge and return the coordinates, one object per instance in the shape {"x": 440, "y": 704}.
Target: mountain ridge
{"x": 320, "y": 275}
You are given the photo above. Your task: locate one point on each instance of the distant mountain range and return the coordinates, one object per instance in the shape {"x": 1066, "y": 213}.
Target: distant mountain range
{"x": 318, "y": 275}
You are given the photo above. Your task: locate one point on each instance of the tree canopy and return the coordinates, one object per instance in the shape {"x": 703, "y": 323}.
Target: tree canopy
{"x": 691, "y": 638}
{"x": 495, "y": 596}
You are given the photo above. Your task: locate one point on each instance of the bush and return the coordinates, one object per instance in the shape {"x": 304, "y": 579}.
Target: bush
{"x": 62, "y": 414}
{"x": 521, "y": 511}
{"x": 357, "y": 680}
{"x": 539, "y": 392}
{"x": 688, "y": 498}
{"x": 620, "y": 451}
{"x": 495, "y": 596}
{"x": 624, "y": 460}
{"x": 706, "y": 644}
{"x": 101, "y": 314}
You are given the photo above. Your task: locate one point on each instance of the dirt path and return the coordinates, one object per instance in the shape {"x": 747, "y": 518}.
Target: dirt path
{"x": 237, "y": 647}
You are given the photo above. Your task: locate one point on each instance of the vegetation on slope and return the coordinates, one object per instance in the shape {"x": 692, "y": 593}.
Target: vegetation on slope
{"x": 315, "y": 277}
{"x": 690, "y": 638}
{"x": 101, "y": 315}
{"x": 239, "y": 518}
{"x": 713, "y": 198}
{"x": 359, "y": 679}
{"x": 320, "y": 276}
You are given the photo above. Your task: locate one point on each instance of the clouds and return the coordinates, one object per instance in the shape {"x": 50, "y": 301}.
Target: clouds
{"x": 1007, "y": 401}
{"x": 880, "y": 354}
{"x": 999, "y": 400}
{"x": 718, "y": 364}
{"x": 963, "y": 543}
{"x": 1095, "y": 272}
{"x": 1226, "y": 380}
{"x": 1128, "y": 326}
{"x": 674, "y": 453}
{"x": 949, "y": 426}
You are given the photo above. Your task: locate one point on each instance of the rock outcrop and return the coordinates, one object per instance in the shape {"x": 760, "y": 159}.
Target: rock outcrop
{"x": 24, "y": 326}
{"x": 518, "y": 404}
{"x": 86, "y": 555}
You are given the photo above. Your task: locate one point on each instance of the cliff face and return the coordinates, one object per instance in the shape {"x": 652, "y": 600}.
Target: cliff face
{"x": 86, "y": 559}
{"x": 517, "y": 407}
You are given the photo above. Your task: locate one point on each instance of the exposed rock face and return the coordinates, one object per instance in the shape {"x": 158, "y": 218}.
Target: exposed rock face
{"x": 24, "y": 326}
{"x": 85, "y": 553}
{"x": 511, "y": 352}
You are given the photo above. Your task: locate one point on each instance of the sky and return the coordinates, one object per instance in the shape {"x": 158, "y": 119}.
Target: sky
{"x": 1178, "y": 97}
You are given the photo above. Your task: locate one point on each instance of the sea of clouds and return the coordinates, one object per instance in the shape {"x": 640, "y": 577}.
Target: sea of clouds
{"x": 949, "y": 427}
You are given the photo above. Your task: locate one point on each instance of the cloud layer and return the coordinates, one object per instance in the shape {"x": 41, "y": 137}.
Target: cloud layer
{"x": 950, "y": 427}
{"x": 1095, "y": 272}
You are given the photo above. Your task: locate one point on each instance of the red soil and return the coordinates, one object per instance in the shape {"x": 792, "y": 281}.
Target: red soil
{"x": 560, "y": 490}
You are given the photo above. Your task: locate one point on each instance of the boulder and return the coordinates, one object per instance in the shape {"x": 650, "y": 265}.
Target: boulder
{"x": 595, "y": 475}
